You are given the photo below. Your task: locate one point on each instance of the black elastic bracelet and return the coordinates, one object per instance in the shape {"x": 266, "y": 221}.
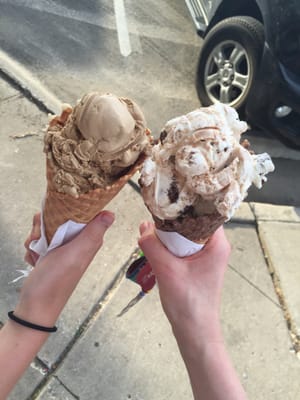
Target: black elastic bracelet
{"x": 20, "y": 321}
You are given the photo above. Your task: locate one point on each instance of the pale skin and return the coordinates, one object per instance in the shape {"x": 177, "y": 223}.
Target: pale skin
{"x": 44, "y": 295}
{"x": 190, "y": 292}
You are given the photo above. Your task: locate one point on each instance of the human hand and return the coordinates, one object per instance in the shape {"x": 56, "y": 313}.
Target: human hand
{"x": 190, "y": 287}
{"x": 190, "y": 292}
{"x": 51, "y": 283}
{"x": 30, "y": 256}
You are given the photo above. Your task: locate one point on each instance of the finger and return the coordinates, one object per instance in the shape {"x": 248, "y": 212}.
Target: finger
{"x": 219, "y": 242}
{"x": 37, "y": 219}
{"x": 31, "y": 257}
{"x": 28, "y": 258}
{"x": 90, "y": 239}
{"x": 34, "y": 257}
{"x": 35, "y": 230}
{"x": 144, "y": 226}
{"x": 154, "y": 250}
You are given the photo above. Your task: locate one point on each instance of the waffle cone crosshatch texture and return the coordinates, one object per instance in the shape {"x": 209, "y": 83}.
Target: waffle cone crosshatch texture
{"x": 61, "y": 207}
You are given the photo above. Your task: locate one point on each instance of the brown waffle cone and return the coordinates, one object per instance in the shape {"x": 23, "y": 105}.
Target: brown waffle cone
{"x": 61, "y": 207}
{"x": 198, "y": 229}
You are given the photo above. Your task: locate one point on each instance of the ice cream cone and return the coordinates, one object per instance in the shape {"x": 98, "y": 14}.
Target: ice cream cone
{"x": 199, "y": 173}
{"x": 61, "y": 207}
{"x": 189, "y": 235}
{"x": 191, "y": 232}
{"x": 198, "y": 229}
{"x": 92, "y": 151}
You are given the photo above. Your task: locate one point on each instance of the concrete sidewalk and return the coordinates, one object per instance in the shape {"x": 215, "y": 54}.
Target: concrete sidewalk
{"x": 95, "y": 354}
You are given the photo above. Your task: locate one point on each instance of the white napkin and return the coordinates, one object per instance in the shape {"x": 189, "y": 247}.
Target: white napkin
{"x": 63, "y": 234}
{"x": 179, "y": 245}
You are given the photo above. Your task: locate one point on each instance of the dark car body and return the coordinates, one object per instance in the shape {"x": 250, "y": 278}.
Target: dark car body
{"x": 277, "y": 81}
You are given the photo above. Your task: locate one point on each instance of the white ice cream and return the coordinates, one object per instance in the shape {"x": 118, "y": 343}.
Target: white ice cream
{"x": 200, "y": 162}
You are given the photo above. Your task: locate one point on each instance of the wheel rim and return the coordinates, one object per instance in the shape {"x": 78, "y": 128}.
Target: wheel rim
{"x": 228, "y": 73}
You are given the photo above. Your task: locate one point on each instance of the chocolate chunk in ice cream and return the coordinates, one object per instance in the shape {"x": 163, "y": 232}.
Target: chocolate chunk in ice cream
{"x": 200, "y": 155}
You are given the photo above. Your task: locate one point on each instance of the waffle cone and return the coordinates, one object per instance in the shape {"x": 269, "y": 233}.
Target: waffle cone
{"x": 61, "y": 207}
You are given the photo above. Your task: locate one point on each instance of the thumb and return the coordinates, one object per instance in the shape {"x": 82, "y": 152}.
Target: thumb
{"x": 90, "y": 239}
{"x": 218, "y": 245}
{"x": 154, "y": 250}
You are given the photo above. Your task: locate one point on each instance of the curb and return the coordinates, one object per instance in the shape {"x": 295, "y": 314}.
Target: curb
{"x": 22, "y": 79}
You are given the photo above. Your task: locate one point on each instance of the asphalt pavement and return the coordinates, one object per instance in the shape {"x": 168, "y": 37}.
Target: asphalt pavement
{"x": 70, "y": 47}
{"x": 56, "y": 51}
{"x": 97, "y": 355}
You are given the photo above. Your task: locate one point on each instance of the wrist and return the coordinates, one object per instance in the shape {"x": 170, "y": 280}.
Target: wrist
{"x": 196, "y": 347}
{"x": 29, "y": 324}
{"x": 35, "y": 315}
{"x": 198, "y": 335}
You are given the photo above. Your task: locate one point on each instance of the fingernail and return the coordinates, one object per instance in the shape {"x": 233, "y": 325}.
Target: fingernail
{"x": 144, "y": 227}
{"x": 107, "y": 218}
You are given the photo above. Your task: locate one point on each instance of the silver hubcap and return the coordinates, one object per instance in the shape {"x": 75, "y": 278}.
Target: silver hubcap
{"x": 227, "y": 73}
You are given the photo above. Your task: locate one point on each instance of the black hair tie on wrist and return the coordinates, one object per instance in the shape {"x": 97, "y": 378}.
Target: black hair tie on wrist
{"x": 20, "y": 321}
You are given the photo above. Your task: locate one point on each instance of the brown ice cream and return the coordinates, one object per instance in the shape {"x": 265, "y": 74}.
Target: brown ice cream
{"x": 92, "y": 151}
{"x": 102, "y": 137}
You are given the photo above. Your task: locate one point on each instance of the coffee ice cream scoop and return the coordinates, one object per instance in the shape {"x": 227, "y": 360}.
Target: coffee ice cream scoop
{"x": 102, "y": 137}
{"x": 199, "y": 167}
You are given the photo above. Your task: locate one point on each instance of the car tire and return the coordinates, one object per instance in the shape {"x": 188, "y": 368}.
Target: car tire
{"x": 229, "y": 60}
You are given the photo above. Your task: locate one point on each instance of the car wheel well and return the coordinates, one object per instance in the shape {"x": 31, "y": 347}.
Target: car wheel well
{"x": 231, "y": 8}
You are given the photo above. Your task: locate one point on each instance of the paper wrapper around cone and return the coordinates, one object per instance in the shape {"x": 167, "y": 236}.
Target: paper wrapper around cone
{"x": 61, "y": 207}
{"x": 187, "y": 235}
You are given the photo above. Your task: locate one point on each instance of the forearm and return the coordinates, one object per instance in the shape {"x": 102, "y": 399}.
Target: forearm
{"x": 209, "y": 367}
{"x": 18, "y": 347}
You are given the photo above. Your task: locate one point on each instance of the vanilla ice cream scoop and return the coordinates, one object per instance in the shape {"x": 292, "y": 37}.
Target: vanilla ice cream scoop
{"x": 102, "y": 137}
{"x": 199, "y": 165}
